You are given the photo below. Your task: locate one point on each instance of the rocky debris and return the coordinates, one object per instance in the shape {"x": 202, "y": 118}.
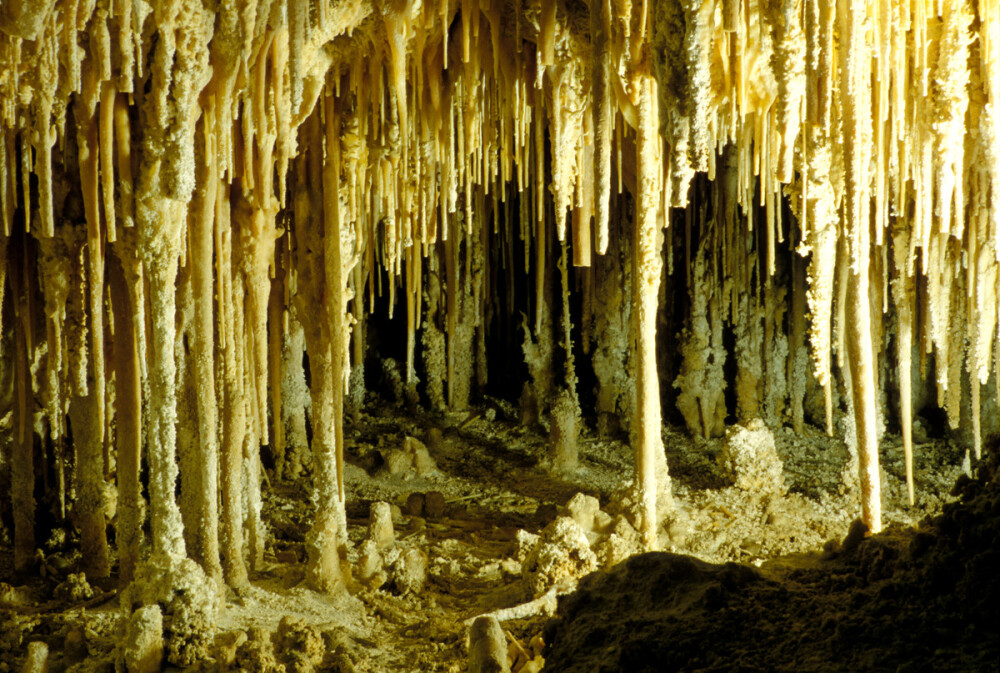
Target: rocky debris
{"x": 582, "y": 538}
{"x": 226, "y": 647}
{"x": 74, "y": 588}
{"x": 563, "y": 551}
{"x": 189, "y": 603}
{"x": 525, "y": 657}
{"x": 487, "y": 647}
{"x": 412, "y": 460}
{"x": 257, "y": 653}
{"x": 750, "y": 461}
{"x": 301, "y": 646}
{"x": 409, "y": 572}
{"x": 143, "y": 646}
{"x": 902, "y": 600}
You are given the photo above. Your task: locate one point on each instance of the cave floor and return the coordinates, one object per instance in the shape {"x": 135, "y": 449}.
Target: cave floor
{"x": 492, "y": 474}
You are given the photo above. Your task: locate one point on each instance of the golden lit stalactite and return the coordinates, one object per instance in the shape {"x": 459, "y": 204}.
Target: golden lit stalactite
{"x": 645, "y": 292}
{"x": 603, "y": 119}
{"x": 699, "y": 17}
{"x": 44, "y": 139}
{"x": 106, "y": 125}
{"x": 855, "y": 93}
{"x": 789, "y": 67}
{"x": 950, "y": 98}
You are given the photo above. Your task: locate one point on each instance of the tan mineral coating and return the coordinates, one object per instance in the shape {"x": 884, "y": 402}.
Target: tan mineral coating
{"x": 185, "y": 157}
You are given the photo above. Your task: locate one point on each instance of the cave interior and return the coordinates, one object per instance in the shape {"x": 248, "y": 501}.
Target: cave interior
{"x": 391, "y": 335}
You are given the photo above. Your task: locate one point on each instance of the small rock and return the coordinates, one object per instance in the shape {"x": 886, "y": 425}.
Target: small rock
{"x": 487, "y": 647}
{"x": 602, "y": 521}
{"x": 75, "y": 646}
{"x": 434, "y": 438}
{"x": 143, "y": 651}
{"x": 380, "y": 529}
{"x": 562, "y": 552}
{"x": 434, "y": 505}
{"x": 582, "y": 509}
{"x": 411, "y": 571}
{"x": 399, "y": 463}
{"x": 74, "y": 589}
{"x": 38, "y": 658}
{"x": 415, "y": 504}
{"x": 422, "y": 461}
{"x": 370, "y": 565}
{"x": 286, "y": 556}
{"x": 750, "y": 460}
{"x": 226, "y": 646}
{"x": 614, "y": 549}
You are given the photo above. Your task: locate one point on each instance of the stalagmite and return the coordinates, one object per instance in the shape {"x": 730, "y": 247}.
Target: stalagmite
{"x": 89, "y": 506}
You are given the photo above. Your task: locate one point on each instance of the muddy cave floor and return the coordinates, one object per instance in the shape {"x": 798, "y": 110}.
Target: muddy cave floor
{"x": 493, "y": 477}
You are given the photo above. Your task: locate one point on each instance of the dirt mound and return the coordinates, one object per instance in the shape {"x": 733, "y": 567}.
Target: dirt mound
{"x": 914, "y": 600}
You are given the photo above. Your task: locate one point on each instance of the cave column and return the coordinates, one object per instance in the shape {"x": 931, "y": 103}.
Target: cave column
{"x": 22, "y": 471}
{"x": 328, "y": 533}
{"x": 204, "y": 480}
{"x": 855, "y": 76}
{"x": 128, "y": 434}
{"x": 645, "y": 292}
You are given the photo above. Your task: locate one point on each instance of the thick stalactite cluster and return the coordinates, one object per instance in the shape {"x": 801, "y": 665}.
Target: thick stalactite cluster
{"x": 196, "y": 193}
